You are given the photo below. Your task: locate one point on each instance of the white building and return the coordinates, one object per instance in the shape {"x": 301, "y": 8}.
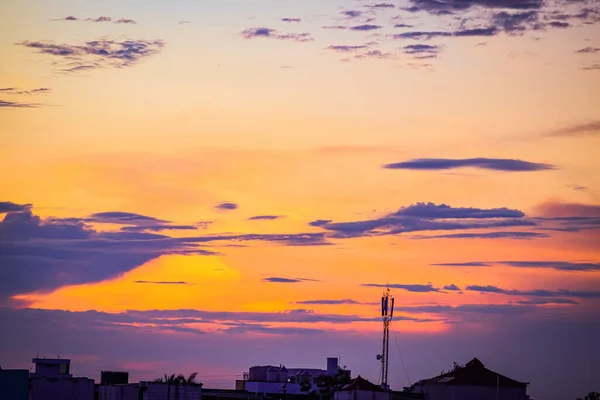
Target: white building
{"x": 471, "y": 382}
{"x": 279, "y": 379}
{"x": 52, "y": 380}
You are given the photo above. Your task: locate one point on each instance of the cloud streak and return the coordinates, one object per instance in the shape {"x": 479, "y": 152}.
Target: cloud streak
{"x": 262, "y": 32}
{"x": 494, "y": 164}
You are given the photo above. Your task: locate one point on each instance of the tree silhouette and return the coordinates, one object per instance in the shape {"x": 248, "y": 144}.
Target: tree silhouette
{"x": 591, "y": 396}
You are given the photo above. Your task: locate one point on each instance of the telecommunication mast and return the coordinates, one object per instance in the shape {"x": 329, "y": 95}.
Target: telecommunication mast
{"x": 387, "y": 312}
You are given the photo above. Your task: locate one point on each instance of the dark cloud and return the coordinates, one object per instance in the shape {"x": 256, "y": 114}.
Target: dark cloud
{"x": 9, "y": 206}
{"x": 556, "y": 265}
{"x": 495, "y": 164}
{"x": 159, "y": 228}
{"x": 331, "y": 302}
{"x": 119, "y": 217}
{"x": 559, "y": 24}
{"x": 291, "y": 19}
{"x": 70, "y": 18}
{"x": 586, "y": 128}
{"x": 429, "y": 217}
{"x": 125, "y": 21}
{"x": 19, "y": 91}
{"x": 460, "y": 5}
{"x": 17, "y": 104}
{"x": 44, "y": 254}
{"x": 101, "y": 53}
{"x": 451, "y": 287}
{"x": 265, "y": 217}
{"x": 516, "y": 22}
{"x": 226, "y": 206}
{"x": 380, "y": 5}
{"x": 535, "y": 292}
{"x": 547, "y": 301}
{"x": 262, "y": 32}
{"x": 320, "y": 222}
{"x": 421, "y": 35}
{"x": 403, "y": 25}
{"x": 435, "y": 211}
{"x": 487, "y": 235}
{"x": 274, "y": 279}
{"x": 422, "y": 50}
{"x": 161, "y": 282}
{"x": 351, "y": 13}
{"x": 410, "y": 288}
{"x": 365, "y": 27}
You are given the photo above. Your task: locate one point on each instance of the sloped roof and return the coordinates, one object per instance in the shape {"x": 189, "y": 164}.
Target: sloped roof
{"x": 474, "y": 373}
{"x": 360, "y": 383}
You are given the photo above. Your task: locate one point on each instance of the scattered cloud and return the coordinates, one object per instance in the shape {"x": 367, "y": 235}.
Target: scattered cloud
{"x": 275, "y": 279}
{"x": 534, "y": 292}
{"x": 101, "y": 53}
{"x": 100, "y": 19}
{"x": 346, "y": 48}
{"x": 183, "y": 22}
{"x": 291, "y": 19}
{"x": 264, "y": 217}
{"x": 410, "y": 288}
{"x": 262, "y": 32}
{"x": 17, "y": 104}
{"x": 422, "y": 50}
{"x": 334, "y": 27}
{"x": 583, "y": 129}
{"x": 332, "y": 302}
{"x": 556, "y": 265}
{"x": 487, "y": 235}
{"x": 495, "y": 164}
{"x": 589, "y": 50}
{"x": 547, "y": 301}
{"x": 161, "y": 282}
{"x": 227, "y": 206}
{"x": 119, "y": 217}
{"x": 18, "y": 91}
{"x": 451, "y": 287}
{"x": 428, "y": 217}
{"x": 365, "y": 27}
{"x": 351, "y": 13}
{"x": 125, "y": 21}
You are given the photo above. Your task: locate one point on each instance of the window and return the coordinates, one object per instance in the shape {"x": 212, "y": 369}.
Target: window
{"x": 64, "y": 368}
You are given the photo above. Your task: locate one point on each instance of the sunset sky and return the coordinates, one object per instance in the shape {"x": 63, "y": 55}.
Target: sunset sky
{"x": 206, "y": 185}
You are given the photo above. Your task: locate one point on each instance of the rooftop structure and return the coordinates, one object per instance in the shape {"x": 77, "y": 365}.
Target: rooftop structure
{"x": 52, "y": 367}
{"x": 473, "y": 381}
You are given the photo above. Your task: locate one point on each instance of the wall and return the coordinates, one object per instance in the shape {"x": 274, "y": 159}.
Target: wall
{"x": 62, "y": 389}
{"x": 273, "y": 387}
{"x": 121, "y": 392}
{"x": 163, "y": 391}
{"x": 14, "y": 384}
{"x": 362, "y": 395}
{"x": 444, "y": 392}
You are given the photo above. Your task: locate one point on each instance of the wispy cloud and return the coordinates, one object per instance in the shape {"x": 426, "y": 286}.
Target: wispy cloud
{"x": 410, "y": 288}
{"x": 496, "y": 164}
{"x": 332, "y": 302}
{"x": 556, "y": 265}
{"x": 261, "y": 32}
{"x": 583, "y": 129}
{"x": 486, "y": 235}
{"x": 17, "y": 104}
{"x": 18, "y": 91}
{"x": 276, "y": 279}
{"x": 534, "y": 292}
{"x": 291, "y": 19}
{"x": 161, "y": 282}
{"x": 101, "y": 53}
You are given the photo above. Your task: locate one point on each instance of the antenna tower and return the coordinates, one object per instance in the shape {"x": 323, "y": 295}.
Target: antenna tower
{"x": 387, "y": 312}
